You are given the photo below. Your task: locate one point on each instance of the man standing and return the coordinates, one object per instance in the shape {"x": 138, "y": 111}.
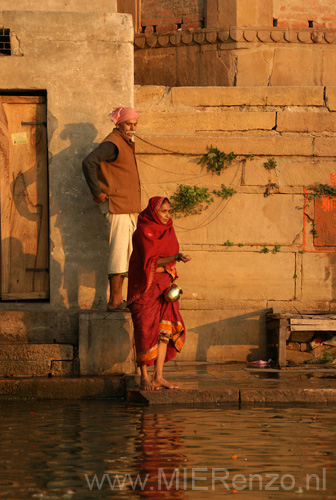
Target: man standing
{"x": 112, "y": 175}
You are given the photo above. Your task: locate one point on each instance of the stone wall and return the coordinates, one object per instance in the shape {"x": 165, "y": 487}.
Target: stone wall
{"x": 61, "y": 5}
{"x": 244, "y": 43}
{"x": 237, "y": 56}
{"x": 69, "y": 55}
{"x": 298, "y": 13}
{"x": 255, "y": 250}
{"x": 169, "y": 15}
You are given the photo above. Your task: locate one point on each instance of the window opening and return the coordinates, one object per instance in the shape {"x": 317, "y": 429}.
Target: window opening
{"x": 5, "y": 46}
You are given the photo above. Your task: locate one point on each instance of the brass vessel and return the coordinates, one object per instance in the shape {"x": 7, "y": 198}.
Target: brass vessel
{"x": 173, "y": 293}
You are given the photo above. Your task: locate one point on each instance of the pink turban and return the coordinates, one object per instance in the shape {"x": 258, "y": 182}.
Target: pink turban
{"x": 122, "y": 114}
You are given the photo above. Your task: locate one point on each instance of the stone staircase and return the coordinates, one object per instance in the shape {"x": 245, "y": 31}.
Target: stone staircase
{"x": 49, "y": 343}
{"x": 38, "y": 343}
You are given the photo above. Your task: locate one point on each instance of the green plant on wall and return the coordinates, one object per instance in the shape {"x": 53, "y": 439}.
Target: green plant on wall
{"x": 313, "y": 229}
{"x": 264, "y": 250}
{"x": 190, "y": 200}
{"x": 270, "y": 164}
{"x": 269, "y": 188}
{"x": 228, "y": 243}
{"x": 224, "y": 192}
{"x": 216, "y": 160}
{"x": 321, "y": 190}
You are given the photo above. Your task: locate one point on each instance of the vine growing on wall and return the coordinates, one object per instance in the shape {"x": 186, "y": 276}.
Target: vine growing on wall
{"x": 191, "y": 200}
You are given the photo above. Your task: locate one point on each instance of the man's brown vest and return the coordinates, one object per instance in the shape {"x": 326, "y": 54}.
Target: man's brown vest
{"x": 120, "y": 179}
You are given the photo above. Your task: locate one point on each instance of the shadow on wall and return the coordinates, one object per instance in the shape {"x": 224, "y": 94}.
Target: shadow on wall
{"x": 241, "y": 330}
{"x": 81, "y": 227}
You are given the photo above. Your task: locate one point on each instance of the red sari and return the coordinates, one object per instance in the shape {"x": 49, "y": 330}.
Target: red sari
{"x": 153, "y": 317}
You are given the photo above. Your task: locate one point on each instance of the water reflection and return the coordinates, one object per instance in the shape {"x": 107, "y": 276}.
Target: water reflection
{"x": 65, "y": 450}
{"x": 160, "y": 458}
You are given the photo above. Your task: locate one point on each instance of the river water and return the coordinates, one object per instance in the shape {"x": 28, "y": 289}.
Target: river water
{"x": 105, "y": 449}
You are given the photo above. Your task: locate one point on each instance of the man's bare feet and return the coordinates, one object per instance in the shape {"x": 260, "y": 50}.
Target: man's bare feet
{"x": 161, "y": 382}
{"x": 147, "y": 385}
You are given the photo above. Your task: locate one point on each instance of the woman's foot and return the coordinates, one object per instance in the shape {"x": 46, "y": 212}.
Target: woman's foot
{"x": 161, "y": 382}
{"x": 147, "y": 385}
{"x": 122, "y": 306}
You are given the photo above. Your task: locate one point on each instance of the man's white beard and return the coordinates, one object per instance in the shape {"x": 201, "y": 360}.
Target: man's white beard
{"x": 131, "y": 135}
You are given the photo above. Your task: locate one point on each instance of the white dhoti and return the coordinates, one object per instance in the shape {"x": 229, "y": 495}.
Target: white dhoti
{"x": 120, "y": 229}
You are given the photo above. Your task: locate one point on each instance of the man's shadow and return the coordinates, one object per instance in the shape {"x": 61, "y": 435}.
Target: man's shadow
{"x": 80, "y": 224}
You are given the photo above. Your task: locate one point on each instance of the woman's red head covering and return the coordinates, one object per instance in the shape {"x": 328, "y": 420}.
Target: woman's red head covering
{"x": 151, "y": 240}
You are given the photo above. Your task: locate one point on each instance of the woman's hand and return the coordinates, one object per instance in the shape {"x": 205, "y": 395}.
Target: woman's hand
{"x": 185, "y": 258}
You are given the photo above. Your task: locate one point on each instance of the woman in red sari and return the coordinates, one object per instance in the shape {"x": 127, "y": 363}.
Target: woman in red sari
{"x": 158, "y": 326}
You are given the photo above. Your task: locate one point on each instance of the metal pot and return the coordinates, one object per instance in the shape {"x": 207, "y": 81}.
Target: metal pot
{"x": 173, "y": 293}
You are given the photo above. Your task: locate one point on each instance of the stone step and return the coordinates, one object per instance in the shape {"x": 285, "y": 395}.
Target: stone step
{"x": 35, "y": 352}
{"x": 106, "y": 344}
{"x": 36, "y": 360}
{"x": 39, "y": 326}
{"x": 62, "y": 388}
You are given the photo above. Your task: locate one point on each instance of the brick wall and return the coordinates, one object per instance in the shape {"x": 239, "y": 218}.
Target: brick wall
{"x": 298, "y": 13}
{"x": 169, "y": 15}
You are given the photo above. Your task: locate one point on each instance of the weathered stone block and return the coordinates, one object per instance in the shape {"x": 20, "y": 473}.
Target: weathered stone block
{"x": 64, "y": 368}
{"x": 329, "y": 66}
{"x": 280, "y": 223}
{"x": 205, "y": 121}
{"x": 223, "y": 335}
{"x": 235, "y": 275}
{"x": 40, "y": 368}
{"x": 245, "y": 13}
{"x": 289, "y": 121}
{"x": 318, "y": 277}
{"x": 151, "y": 96}
{"x": 248, "y": 96}
{"x": 253, "y": 68}
{"x": 271, "y": 144}
{"x": 64, "y": 388}
{"x": 35, "y": 352}
{"x": 291, "y": 58}
{"x": 304, "y": 173}
{"x": 325, "y": 146}
{"x": 331, "y": 98}
{"x": 106, "y": 344}
{"x": 298, "y": 357}
{"x": 39, "y": 327}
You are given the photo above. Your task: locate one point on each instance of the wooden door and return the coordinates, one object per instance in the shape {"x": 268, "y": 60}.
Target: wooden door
{"x": 24, "y": 249}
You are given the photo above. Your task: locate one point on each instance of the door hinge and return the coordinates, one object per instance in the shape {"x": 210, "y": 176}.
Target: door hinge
{"x": 34, "y": 123}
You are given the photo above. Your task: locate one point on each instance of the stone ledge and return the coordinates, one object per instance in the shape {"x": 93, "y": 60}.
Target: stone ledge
{"x": 35, "y": 352}
{"x": 206, "y": 121}
{"x": 183, "y": 396}
{"x": 304, "y": 395}
{"x": 274, "y": 145}
{"x": 235, "y": 34}
{"x": 63, "y": 388}
{"x": 249, "y": 96}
